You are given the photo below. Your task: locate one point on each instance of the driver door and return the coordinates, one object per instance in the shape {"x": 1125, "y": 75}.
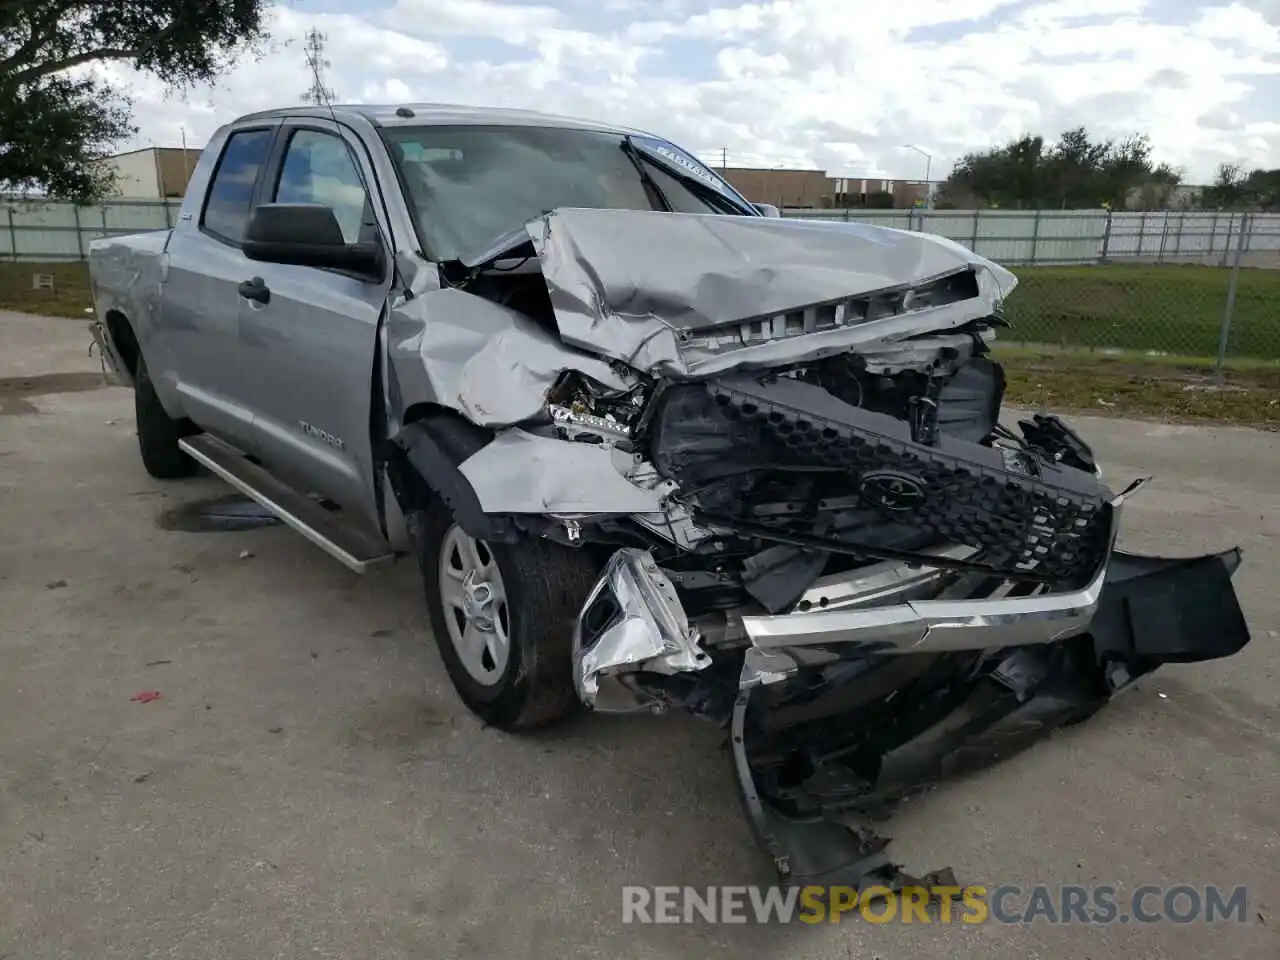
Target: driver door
{"x": 310, "y": 345}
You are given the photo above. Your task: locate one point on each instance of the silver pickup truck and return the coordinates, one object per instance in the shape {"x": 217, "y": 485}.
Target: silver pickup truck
{"x": 653, "y": 447}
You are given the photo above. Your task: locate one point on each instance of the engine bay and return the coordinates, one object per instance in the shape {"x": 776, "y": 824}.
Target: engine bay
{"x": 782, "y": 476}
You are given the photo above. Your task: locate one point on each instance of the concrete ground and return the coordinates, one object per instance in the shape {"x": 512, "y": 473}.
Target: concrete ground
{"x": 308, "y": 785}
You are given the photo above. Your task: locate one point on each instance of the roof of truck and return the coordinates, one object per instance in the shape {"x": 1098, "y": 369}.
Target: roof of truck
{"x": 394, "y": 114}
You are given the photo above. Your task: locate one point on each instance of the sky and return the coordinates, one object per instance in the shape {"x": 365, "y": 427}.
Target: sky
{"x": 838, "y": 85}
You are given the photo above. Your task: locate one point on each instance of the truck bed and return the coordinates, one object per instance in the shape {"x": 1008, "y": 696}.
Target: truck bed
{"x": 124, "y": 274}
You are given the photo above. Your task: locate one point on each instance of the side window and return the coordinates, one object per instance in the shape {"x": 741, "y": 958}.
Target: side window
{"x": 318, "y": 168}
{"x": 226, "y": 208}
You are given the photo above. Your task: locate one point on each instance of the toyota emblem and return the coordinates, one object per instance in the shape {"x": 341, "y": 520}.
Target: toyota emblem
{"x": 895, "y": 492}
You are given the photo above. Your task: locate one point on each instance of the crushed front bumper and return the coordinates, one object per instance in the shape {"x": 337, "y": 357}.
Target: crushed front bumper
{"x": 632, "y": 621}
{"x": 1149, "y": 611}
{"x": 932, "y": 626}
{"x": 1024, "y": 666}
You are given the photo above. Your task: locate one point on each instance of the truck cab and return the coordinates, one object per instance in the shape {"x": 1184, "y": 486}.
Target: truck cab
{"x": 285, "y": 360}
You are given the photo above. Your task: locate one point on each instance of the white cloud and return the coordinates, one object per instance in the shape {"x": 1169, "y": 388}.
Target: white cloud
{"x": 477, "y": 18}
{"x": 1239, "y": 24}
{"x": 824, "y": 83}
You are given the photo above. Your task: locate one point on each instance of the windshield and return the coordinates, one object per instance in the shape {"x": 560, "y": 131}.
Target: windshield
{"x": 471, "y": 184}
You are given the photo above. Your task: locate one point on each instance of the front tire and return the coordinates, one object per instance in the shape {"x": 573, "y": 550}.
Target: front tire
{"x": 503, "y": 617}
{"x": 158, "y": 433}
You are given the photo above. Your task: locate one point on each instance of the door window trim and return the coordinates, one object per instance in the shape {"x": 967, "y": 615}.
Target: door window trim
{"x": 273, "y": 169}
{"x": 273, "y": 131}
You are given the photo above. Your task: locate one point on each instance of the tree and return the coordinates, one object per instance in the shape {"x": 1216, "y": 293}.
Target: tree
{"x": 1263, "y": 188}
{"x": 1008, "y": 176}
{"x": 58, "y": 119}
{"x": 1076, "y": 171}
{"x": 1232, "y": 189}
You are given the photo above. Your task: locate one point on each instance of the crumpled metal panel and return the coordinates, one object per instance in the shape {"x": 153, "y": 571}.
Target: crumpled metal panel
{"x": 634, "y": 284}
{"x": 522, "y": 472}
{"x": 125, "y": 274}
{"x": 644, "y": 627}
{"x": 489, "y": 362}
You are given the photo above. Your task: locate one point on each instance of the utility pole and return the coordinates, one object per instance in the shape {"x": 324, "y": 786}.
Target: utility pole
{"x": 318, "y": 93}
{"x": 928, "y": 169}
{"x": 724, "y": 158}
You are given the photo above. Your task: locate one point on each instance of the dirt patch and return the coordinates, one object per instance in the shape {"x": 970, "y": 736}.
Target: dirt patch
{"x": 14, "y": 391}
{"x": 1107, "y": 386}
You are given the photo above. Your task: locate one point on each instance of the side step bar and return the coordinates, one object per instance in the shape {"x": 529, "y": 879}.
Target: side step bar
{"x": 356, "y": 550}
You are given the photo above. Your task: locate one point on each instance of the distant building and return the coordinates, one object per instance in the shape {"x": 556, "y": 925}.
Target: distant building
{"x": 781, "y": 187}
{"x": 903, "y": 194}
{"x": 153, "y": 173}
{"x": 814, "y": 189}
{"x": 1162, "y": 196}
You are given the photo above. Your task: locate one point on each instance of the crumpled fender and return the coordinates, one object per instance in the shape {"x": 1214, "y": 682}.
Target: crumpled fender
{"x": 486, "y": 361}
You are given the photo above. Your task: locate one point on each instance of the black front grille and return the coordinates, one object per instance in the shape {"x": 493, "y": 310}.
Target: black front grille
{"x": 1023, "y": 512}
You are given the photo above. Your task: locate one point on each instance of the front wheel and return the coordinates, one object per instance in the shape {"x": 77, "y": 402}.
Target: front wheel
{"x": 503, "y": 618}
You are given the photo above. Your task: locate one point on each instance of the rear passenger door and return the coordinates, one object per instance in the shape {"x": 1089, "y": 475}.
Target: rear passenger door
{"x": 200, "y": 300}
{"x": 309, "y": 350}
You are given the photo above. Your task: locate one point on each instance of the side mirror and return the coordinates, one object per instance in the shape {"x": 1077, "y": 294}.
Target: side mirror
{"x": 767, "y": 209}
{"x": 308, "y": 235}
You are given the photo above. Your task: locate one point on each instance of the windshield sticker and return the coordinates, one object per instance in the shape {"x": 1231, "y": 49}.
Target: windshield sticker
{"x": 684, "y": 162}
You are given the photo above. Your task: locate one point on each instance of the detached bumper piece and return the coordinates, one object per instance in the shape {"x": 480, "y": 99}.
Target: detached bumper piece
{"x": 822, "y": 752}
{"x": 631, "y": 623}
{"x": 1157, "y": 610}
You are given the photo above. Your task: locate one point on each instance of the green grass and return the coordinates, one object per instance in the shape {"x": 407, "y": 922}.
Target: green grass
{"x": 1170, "y": 308}
{"x": 68, "y": 298}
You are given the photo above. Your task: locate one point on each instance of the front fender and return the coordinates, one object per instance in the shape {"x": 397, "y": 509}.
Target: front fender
{"x": 486, "y": 361}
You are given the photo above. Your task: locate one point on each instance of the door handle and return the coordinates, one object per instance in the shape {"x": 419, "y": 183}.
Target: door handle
{"x": 255, "y": 289}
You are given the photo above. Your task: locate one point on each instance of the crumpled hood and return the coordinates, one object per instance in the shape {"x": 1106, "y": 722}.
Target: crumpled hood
{"x": 633, "y": 284}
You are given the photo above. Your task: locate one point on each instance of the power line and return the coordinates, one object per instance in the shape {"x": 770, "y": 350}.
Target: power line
{"x": 318, "y": 93}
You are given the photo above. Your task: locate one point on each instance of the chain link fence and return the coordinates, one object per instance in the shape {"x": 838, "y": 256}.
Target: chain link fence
{"x": 1199, "y": 287}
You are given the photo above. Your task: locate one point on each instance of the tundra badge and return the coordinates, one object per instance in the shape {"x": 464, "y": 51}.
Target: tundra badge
{"x": 335, "y": 442}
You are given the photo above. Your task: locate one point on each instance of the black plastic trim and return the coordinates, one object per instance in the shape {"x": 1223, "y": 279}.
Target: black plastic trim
{"x": 436, "y": 447}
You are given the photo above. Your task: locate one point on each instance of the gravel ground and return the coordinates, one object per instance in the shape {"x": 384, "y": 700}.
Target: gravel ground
{"x": 308, "y": 785}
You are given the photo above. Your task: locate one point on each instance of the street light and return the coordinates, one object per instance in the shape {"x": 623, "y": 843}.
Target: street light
{"x": 928, "y": 168}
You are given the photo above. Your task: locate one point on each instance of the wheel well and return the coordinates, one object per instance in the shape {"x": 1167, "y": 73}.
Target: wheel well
{"x": 422, "y": 411}
{"x": 433, "y": 442}
{"x": 123, "y": 338}
{"x": 410, "y": 487}
{"x": 413, "y": 489}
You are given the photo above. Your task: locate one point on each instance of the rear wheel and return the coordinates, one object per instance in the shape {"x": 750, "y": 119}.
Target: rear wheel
{"x": 158, "y": 433}
{"x": 503, "y": 618}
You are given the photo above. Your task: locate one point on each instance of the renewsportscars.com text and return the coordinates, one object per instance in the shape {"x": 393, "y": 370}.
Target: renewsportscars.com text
{"x": 1007, "y": 904}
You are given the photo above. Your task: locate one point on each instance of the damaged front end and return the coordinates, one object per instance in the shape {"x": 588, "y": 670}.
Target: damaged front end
{"x": 945, "y": 618}
{"x": 785, "y": 443}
